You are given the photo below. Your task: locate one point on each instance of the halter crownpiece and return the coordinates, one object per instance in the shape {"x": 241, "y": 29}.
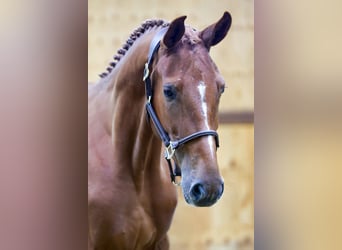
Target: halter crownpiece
{"x": 170, "y": 146}
{"x": 154, "y": 46}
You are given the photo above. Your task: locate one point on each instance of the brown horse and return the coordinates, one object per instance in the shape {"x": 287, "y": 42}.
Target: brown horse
{"x": 131, "y": 197}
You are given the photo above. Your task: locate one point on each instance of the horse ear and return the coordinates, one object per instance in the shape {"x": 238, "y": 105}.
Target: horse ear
{"x": 214, "y": 34}
{"x": 175, "y": 32}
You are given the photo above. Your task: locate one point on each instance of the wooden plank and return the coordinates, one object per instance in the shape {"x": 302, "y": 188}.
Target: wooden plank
{"x": 234, "y": 117}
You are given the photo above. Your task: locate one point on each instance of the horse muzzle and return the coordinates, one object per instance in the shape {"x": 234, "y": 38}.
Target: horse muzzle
{"x": 204, "y": 193}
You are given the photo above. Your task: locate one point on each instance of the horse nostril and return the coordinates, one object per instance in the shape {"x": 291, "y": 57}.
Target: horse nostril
{"x": 198, "y": 192}
{"x": 221, "y": 190}
{"x": 203, "y": 194}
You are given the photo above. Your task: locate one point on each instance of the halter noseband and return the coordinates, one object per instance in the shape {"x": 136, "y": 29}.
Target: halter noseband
{"x": 171, "y": 146}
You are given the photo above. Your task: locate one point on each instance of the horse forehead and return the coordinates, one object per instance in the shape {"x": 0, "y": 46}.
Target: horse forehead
{"x": 199, "y": 89}
{"x": 191, "y": 78}
{"x": 201, "y": 72}
{"x": 196, "y": 63}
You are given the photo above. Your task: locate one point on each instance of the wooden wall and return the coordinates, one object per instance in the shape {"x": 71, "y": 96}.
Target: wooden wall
{"x": 230, "y": 223}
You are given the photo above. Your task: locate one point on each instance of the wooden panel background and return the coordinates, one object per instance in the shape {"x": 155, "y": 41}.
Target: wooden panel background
{"x": 230, "y": 223}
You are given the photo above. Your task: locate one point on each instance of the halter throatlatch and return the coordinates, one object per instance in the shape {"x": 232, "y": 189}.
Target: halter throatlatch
{"x": 170, "y": 146}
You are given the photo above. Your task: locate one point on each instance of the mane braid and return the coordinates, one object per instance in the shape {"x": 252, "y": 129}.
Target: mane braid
{"x": 145, "y": 26}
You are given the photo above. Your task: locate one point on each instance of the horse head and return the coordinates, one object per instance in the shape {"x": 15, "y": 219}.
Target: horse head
{"x": 187, "y": 89}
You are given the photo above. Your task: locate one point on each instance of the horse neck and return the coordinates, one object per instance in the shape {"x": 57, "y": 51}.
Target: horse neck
{"x": 135, "y": 145}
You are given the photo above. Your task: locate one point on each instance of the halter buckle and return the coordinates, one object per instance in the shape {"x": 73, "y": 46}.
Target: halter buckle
{"x": 146, "y": 71}
{"x": 176, "y": 183}
{"x": 169, "y": 152}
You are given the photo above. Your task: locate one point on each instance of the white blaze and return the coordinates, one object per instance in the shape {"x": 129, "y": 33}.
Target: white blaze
{"x": 201, "y": 88}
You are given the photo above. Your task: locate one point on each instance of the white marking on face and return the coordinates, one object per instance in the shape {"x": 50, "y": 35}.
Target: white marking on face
{"x": 201, "y": 88}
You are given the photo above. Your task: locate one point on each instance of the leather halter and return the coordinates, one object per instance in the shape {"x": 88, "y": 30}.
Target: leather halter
{"x": 171, "y": 146}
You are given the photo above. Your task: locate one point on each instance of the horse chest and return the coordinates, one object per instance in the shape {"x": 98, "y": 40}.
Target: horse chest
{"x": 127, "y": 220}
{"x": 139, "y": 229}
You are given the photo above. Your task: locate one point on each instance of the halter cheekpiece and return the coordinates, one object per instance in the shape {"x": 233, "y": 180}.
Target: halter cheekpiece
{"x": 170, "y": 146}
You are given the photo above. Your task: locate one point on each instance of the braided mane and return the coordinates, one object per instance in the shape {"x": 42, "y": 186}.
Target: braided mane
{"x": 148, "y": 24}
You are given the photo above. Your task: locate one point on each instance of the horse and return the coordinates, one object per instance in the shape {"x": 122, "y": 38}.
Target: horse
{"x": 153, "y": 115}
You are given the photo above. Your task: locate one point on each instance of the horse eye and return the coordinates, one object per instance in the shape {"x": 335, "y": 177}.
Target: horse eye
{"x": 170, "y": 92}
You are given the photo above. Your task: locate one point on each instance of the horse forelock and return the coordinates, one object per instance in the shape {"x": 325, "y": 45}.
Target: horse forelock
{"x": 191, "y": 37}
{"x": 145, "y": 26}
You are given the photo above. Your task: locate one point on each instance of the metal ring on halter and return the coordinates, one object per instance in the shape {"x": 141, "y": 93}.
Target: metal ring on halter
{"x": 169, "y": 152}
{"x": 177, "y": 183}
